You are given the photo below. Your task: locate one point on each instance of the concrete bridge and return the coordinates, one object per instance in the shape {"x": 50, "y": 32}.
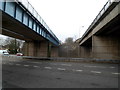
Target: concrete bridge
{"x": 20, "y": 20}
{"x": 102, "y": 39}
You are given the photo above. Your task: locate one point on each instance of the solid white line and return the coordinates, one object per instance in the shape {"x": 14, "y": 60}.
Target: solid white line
{"x": 61, "y": 69}
{"x": 26, "y": 65}
{"x": 47, "y": 67}
{"x": 95, "y": 72}
{"x": 116, "y": 73}
{"x": 35, "y": 66}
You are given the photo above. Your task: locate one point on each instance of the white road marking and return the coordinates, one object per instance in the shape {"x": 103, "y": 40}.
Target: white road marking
{"x": 95, "y": 66}
{"x": 47, "y": 67}
{"x": 95, "y": 72}
{"x": 79, "y": 70}
{"x": 26, "y": 65}
{"x": 112, "y": 67}
{"x": 18, "y": 64}
{"x": 36, "y": 66}
{"x": 116, "y": 73}
{"x": 66, "y": 64}
{"x": 61, "y": 69}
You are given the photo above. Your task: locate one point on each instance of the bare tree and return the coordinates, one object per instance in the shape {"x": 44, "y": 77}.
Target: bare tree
{"x": 69, "y": 40}
{"x": 69, "y": 48}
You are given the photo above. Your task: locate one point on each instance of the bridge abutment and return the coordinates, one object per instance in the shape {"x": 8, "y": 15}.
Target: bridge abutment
{"x": 40, "y": 49}
{"x": 106, "y": 47}
{"x": 36, "y": 48}
{"x": 85, "y": 52}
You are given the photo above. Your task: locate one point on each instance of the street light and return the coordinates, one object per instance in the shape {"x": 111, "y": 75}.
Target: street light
{"x": 80, "y": 35}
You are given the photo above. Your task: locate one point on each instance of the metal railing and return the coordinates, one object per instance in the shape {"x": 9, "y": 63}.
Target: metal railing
{"x": 109, "y": 2}
{"x": 30, "y": 8}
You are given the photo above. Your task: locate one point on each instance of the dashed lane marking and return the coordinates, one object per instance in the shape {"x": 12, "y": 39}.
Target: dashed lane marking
{"x": 96, "y": 72}
{"x": 36, "y": 66}
{"x": 26, "y": 65}
{"x": 18, "y": 64}
{"x": 112, "y": 67}
{"x": 61, "y": 69}
{"x": 116, "y": 73}
{"x": 47, "y": 67}
{"x": 79, "y": 70}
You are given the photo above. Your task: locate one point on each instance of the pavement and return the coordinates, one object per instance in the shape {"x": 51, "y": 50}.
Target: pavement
{"x": 30, "y": 73}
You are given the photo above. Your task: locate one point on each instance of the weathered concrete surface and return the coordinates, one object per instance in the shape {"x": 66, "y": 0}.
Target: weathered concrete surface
{"x": 86, "y": 52}
{"x": 105, "y": 42}
{"x": 40, "y": 49}
{"x": 106, "y": 47}
{"x": 35, "y": 48}
{"x": 54, "y": 51}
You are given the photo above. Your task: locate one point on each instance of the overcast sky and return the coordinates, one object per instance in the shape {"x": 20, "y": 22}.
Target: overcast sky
{"x": 66, "y": 18}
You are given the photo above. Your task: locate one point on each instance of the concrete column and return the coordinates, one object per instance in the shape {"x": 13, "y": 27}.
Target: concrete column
{"x": 85, "y": 51}
{"x": 29, "y": 48}
{"x": 106, "y": 47}
{"x": 37, "y": 48}
{"x": 44, "y": 49}
{"x": 54, "y": 51}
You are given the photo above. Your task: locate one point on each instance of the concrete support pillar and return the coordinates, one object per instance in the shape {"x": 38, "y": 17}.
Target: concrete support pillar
{"x": 54, "y": 51}
{"x": 37, "y": 48}
{"x": 28, "y": 48}
{"x": 44, "y": 49}
{"x": 85, "y": 51}
{"x": 106, "y": 47}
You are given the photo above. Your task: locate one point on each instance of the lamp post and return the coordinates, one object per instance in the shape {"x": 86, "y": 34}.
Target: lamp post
{"x": 80, "y": 31}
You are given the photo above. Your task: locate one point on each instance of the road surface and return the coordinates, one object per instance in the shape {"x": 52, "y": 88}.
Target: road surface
{"x": 25, "y": 73}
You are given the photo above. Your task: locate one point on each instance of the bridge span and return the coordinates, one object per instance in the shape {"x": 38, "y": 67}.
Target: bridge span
{"x": 102, "y": 38}
{"x": 20, "y": 20}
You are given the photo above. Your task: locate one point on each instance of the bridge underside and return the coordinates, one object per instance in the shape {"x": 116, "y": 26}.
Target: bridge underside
{"x": 35, "y": 45}
{"x": 11, "y": 27}
{"x": 106, "y": 43}
{"x": 103, "y": 41}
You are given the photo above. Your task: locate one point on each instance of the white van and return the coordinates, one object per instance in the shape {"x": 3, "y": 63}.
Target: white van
{"x": 4, "y": 52}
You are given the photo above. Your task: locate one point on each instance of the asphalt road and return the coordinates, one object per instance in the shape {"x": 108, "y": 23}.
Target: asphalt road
{"x": 19, "y": 73}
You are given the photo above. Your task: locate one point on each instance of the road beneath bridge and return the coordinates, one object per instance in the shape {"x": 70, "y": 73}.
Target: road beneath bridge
{"x": 26, "y": 73}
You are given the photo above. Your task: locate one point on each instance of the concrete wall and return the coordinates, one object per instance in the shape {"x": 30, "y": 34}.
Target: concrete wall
{"x": 40, "y": 49}
{"x": 54, "y": 51}
{"x": 106, "y": 47}
{"x": 85, "y": 52}
{"x": 36, "y": 48}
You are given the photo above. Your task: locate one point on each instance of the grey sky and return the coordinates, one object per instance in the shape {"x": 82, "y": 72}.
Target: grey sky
{"x": 66, "y": 17}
